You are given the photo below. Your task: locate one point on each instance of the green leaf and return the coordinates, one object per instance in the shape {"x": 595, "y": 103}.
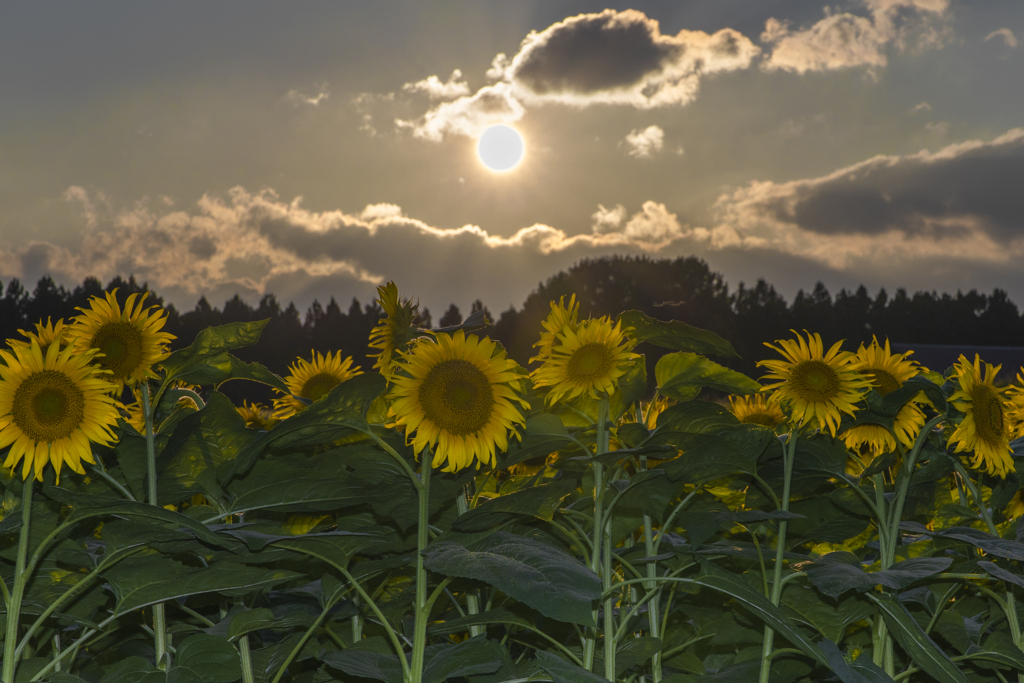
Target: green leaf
{"x": 206, "y": 658}
{"x": 993, "y": 545}
{"x": 535, "y": 501}
{"x": 544, "y": 434}
{"x": 494, "y": 616}
{"x": 1002, "y": 574}
{"x": 630, "y": 388}
{"x": 474, "y": 656}
{"x": 64, "y": 678}
{"x": 710, "y": 456}
{"x": 696, "y": 417}
{"x": 1000, "y": 650}
{"x": 676, "y": 335}
{"x": 861, "y": 670}
{"x": 635, "y": 652}
{"x": 341, "y": 412}
{"x": 127, "y": 509}
{"x": 134, "y": 670}
{"x": 365, "y": 664}
{"x": 552, "y": 582}
{"x": 191, "y": 364}
{"x": 823, "y": 521}
{"x": 562, "y": 671}
{"x": 248, "y": 621}
{"x": 808, "y": 607}
{"x": 199, "y": 444}
{"x": 915, "y": 642}
{"x": 834, "y": 574}
{"x": 722, "y": 581}
{"x": 682, "y": 375}
{"x": 141, "y": 581}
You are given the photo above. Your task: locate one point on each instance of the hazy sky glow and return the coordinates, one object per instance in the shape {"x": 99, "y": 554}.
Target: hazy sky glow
{"x": 319, "y": 148}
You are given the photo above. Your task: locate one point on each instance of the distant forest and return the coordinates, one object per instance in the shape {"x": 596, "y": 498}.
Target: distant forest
{"x": 681, "y": 289}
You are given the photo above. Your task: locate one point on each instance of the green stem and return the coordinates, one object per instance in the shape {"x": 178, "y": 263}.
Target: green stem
{"x": 472, "y": 598}
{"x": 419, "y": 638}
{"x": 246, "y": 658}
{"x": 788, "y": 456}
{"x": 652, "y": 573}
{"x": 18, "y": 591}
{"x": 160, "y": 637}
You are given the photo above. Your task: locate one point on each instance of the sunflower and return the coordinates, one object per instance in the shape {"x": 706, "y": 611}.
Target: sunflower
{"x": 395, "y": 331}
{"x": 129, "y": 342}
{"x": 312, "y": 380}
{"x": 984, "y": 429}
{"x": 815, "y": 384}
{"x": 1015, "y": 412}
{"x": 44, "y": 335}
{"x": 759, "y": 409}
{"x": 459, "y": 393}
{"x": 589, "y": 359}
{"x": 887, "y": 372}
{"x": 257, "y": 416}
{"x": 1015, "y": 508}
{"x": 560, "y": 316}
{"x": 51, "y": 407}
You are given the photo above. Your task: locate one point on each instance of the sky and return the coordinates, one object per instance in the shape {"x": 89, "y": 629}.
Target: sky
{"x": 319, "y": 149}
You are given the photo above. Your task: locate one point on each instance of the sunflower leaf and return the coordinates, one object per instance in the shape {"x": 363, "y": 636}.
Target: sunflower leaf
{"x": 208, "y": 346}
{"x": 675, "y": 335}
{"x": 682, "y": 375}
{"x": 914, "y": 641}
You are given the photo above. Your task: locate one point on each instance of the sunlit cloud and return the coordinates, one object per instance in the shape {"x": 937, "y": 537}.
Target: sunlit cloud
{"x": 436, "y": 89}
{"x": 297, "y": 97}
{"x": 959, "y": 203}
{"x": 644, "y": 143}
{"x": 610, "y": 57}
{"x": 1006, "y": 34}
{"x": 842, "y": 40}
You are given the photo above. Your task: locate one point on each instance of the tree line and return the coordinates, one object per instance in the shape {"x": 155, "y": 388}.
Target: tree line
{"x": 683, "y": 289}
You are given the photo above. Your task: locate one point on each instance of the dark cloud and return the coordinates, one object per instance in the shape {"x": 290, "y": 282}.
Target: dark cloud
{"x": 202, "y": 247}
{"x": 919, "y": 194}
{"x": 594, "y": 52}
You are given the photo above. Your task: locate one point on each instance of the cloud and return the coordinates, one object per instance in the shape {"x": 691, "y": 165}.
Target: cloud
{"x": 435, "y": 89}
{"x": 960, "y": 203}
{"x": 297, "y": 98}
{"x": 610, "y": 57}
{"x": 643, "y": 144}
{"x": 256, "y": 242}
{"x": 921, "y": 106}
{"x": 844, "y": 40}
{"x": 1006, "y": 34}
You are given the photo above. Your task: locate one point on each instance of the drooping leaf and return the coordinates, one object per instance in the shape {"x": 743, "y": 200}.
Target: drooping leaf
{"x": 861, "y": 670}
{"x": 249, "y": 620}
{"x": 676, "y": 335}
{"x": 682, "y": 375}
{"x": 535, "y": 501}
{"x": 364, "y": 664}
{"x": 710, "y": 456}
{"x": 915, "y": 642}
{"x": 539, "y": 575}
{"x": 134, "y": 670}
{"x": 562, "y": 671}
{"x": 212, "y": 344}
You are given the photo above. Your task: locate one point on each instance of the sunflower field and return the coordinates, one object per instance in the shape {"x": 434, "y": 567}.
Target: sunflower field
{"x": 450, "y": 515}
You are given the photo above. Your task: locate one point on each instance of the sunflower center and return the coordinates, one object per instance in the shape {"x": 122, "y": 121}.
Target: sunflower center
{"x": 121, "y": 346}
{"x": 883, "y": 381}
{"x": 988, "y": 414}
{"x": 48, "y": 406}
{"x": 456, "y": 396}
{"x": 815, "y": 381}
{"x": 765, "y": 419}
{"x": 589, "y": 362}
{"x": 317, "y": 386}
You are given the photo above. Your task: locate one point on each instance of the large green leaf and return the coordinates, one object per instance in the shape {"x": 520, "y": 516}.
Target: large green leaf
{"x": 682, "y": 375}
{"x": 544, "y": 434}
{"x": 562, "y": 671}
{"x": 341, "y": 412}
{"x": 134, "y": 670}
{"x": 710, "y": 456}
{"x": 470, "y": 657}
{"x": 150, "y": 514}
{"x": 915, "y": 642}
{"x": 535, "y": 501}
{"x": 696, "y": 417}
{"x": 199, "y": 444}
{"x": 366, "y": 664}
{"x": 861, "y": 670}
{"x": 836, "y": 573}
{"x": 808, "y": 607}
{"x": 541, "y": 576}
{"x": 676, "y": 335}
{"x": 141, "y": 581}
{"x": 494, "y": 616}
{"x": 720, "y": 580}
{"x": 993, "y": 545}
{"x": 203, "y": 361}
{"x": 208, "y": 659}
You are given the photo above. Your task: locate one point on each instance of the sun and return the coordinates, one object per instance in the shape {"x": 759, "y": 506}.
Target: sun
{"x": 500, "y": 148}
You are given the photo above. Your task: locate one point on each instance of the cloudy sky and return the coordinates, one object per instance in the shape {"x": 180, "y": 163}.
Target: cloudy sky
{"x": 320, "y": 148}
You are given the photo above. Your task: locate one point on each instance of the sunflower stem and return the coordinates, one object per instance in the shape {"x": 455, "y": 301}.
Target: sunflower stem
{"x": 788, "y": 455}
{"x": 160, "y": 638}
{"x": 18, "y": 590}
{"x": 472, "y": 598}
{"x": 652, "y": 573}
{"x": 419, "y": 638}
{"x": 246, "y": 659}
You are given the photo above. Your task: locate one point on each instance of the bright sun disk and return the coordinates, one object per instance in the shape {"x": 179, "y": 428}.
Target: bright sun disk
{"x": 500, "y": 148}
